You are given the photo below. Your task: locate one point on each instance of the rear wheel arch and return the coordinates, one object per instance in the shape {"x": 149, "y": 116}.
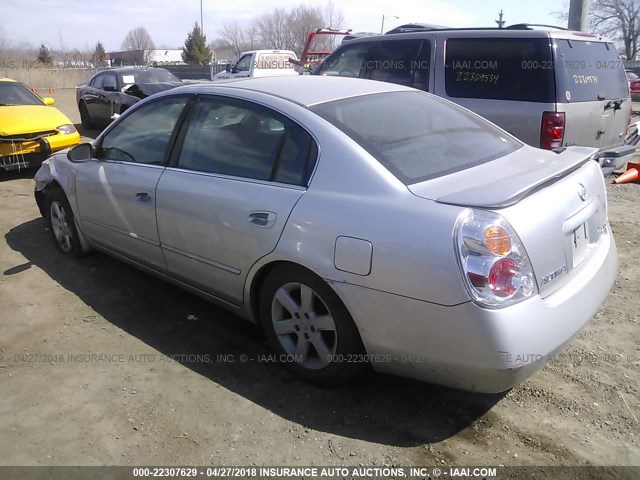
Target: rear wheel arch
{"x": 257, "y": 282}
{"x": 335, "y": 324}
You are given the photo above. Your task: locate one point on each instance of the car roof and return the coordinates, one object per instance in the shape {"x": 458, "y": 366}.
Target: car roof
{"x": 473, "y": 33}
{"x": 305, "y": 90}
{"x": 267, "y": 51}
{"x": 128, "y": 69}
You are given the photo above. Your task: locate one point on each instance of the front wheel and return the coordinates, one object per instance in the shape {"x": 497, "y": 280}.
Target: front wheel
{"x": 61, "y": 222}
{"x": 309, "y": 328}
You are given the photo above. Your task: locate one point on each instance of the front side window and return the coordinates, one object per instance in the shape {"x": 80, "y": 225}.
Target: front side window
{"x": 244, "y": 64}
{"x": 347, "y": 61}
{"x": 240, "y": 139}
{"x": 417, "y": 136}
{"x": 143, "y": 136}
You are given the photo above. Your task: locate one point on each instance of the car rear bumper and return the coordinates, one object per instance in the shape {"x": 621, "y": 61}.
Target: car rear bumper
{"x": 474, "y": 348}
{"x": 14, "y": 156}
{"x": 614, "y": 158}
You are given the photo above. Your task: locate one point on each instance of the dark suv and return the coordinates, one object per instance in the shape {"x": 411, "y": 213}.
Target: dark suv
{"x": 551, "y": 88}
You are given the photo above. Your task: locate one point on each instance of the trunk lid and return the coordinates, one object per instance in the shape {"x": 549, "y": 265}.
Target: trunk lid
{"x": 555, "y": 202}
{"x": 504, "y": 181}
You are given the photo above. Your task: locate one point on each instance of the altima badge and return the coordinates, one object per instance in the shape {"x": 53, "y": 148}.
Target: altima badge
{"x": 582, "y": 192}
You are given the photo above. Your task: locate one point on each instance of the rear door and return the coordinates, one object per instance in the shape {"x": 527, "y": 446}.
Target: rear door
{"x": 593, "y": 93}
{"x": 225, "y": 199}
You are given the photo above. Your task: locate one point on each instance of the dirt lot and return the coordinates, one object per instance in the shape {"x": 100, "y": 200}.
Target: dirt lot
{"x": 158, "y": 392}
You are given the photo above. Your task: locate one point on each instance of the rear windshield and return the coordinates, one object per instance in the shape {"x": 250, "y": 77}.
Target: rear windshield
{"x": 417, "y": 136}
{"x": 500, "y": 69}
{"x": 589, "y": 71}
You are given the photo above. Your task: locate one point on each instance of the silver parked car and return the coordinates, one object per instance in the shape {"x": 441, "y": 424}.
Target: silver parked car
{"x": 359, "y": 222}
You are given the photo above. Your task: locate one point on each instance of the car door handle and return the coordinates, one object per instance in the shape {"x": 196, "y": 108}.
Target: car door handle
{"x": 263, "y": 219}
{"x": 143, "y": 197}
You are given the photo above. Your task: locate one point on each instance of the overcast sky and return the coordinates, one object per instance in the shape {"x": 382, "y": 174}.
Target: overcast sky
{"x": 81, "y": 23}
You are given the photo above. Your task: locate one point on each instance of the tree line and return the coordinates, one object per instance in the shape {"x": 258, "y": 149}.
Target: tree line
{"x": 285, "y": 29}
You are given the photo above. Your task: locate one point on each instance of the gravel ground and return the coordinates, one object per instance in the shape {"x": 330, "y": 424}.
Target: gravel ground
{"x": 159, "y": 391}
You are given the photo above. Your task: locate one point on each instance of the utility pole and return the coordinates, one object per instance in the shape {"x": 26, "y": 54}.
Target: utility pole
{"x": 578, "y": 15}
{"x": 383, "y": 16}
{"x": 500, "y": 22}
{"x": 201, "y": 24}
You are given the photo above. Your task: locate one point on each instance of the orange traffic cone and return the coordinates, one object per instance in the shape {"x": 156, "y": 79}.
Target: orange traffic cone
{"x": 51, "y": 90}
{"x": 631, "y": 175}
{"x": 33, "y": 89}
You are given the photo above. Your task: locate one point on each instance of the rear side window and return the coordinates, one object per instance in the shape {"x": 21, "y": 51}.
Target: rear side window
{"x": 589, "y": 71}
{"x": 405, "y": 62}
{"x": 110, "y": 81}
{"x": 417, "y": 136}
{"x": 518, "y": 69}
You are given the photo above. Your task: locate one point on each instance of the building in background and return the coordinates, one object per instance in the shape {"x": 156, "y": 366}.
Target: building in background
{"x": 155, "y": 58}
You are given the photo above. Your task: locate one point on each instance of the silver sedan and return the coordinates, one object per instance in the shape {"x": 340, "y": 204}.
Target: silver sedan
{"x": 359, "y": 223}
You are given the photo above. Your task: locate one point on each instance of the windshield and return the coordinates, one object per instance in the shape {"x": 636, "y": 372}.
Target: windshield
{"x": 158, "y": 75}
{"x": 13, "y": 93}
{"x": 417, "y": 136}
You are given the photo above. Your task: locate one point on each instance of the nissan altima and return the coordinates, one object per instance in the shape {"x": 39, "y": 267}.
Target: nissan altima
{"x": 359, "y": 223}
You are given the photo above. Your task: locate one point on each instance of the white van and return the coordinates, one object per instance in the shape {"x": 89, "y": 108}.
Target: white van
{"x": 261, "y": 63}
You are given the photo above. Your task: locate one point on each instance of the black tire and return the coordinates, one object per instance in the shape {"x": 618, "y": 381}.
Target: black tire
{"x": 340, "y": 355}
{"x": 85, "y": 118}
{"x": 61, "y": 223}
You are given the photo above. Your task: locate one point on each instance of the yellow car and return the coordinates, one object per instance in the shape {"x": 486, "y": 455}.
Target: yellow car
{"x": 30, "y": 128}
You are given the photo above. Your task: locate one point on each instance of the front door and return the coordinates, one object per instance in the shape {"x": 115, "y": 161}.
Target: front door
{"x": 116, "y": 192}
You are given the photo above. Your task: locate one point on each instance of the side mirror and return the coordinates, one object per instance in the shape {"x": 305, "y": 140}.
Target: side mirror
{"x": 48, "y": 101}
{"x": 81, "y": 153}
{"x": 227, "y": 68}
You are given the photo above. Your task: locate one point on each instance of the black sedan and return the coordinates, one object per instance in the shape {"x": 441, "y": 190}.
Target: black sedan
{"x": 112, "y": 91}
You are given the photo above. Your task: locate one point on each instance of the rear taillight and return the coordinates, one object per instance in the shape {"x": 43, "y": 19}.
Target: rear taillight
{"x": 552, "y": 130}
{"x": 494, "y": 264}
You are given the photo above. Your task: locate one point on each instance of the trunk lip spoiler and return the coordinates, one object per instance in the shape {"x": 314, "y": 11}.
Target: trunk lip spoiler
{"x": 523, "y": 182}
